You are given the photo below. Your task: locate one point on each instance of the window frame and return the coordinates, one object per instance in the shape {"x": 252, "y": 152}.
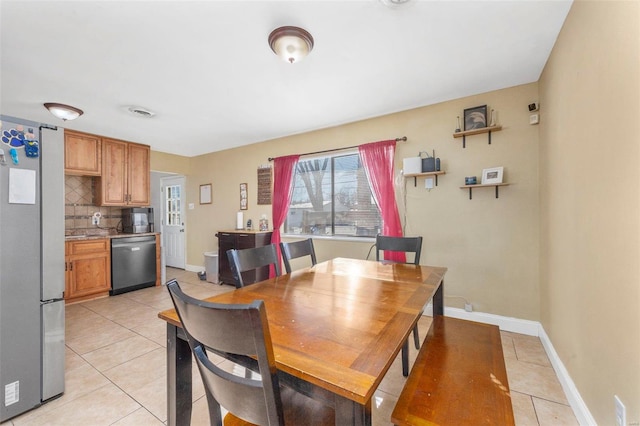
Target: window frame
{"x": 332, "y": 236}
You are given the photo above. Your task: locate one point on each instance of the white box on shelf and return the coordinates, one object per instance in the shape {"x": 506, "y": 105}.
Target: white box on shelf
{"x": 412, "y": 165}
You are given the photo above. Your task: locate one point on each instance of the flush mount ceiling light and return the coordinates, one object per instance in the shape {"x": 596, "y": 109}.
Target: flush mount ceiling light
{"x": 63, "y": 112}
{"x": 291, "y": 44}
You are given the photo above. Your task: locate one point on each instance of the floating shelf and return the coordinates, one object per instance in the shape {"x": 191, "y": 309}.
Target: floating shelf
{"x": 497, "y": 185}
{"x": 415, "y": 176}
{"x": 465, "y": 133}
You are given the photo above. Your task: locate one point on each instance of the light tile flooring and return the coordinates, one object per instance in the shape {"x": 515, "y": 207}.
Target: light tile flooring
{"x": 115, "y": 367}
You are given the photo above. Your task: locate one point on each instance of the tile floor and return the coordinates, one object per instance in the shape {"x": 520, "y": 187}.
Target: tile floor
{"x": 115, "y": 367}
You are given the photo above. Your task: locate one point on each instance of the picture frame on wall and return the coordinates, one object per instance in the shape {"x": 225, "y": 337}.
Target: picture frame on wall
{"x": 492, "y": 175}
{"x": 475, "y": 118}
{"x": 205, "y": 193}
{"x": 244, "y": 197}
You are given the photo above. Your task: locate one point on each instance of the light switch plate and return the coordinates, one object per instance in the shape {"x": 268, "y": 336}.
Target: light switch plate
{"x": 192, "y": 206}
{"x": 534, "y": 119}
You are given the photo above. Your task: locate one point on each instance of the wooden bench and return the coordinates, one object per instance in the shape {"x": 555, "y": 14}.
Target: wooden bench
{"x": 459, "y": 378}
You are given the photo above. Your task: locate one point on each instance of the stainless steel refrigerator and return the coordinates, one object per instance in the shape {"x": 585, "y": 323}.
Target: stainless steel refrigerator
{"x": 31, "y": 265}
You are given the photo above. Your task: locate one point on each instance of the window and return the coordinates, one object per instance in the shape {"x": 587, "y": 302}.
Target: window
{"x": 332, "y": 197}
{"x": 173, "y": 205}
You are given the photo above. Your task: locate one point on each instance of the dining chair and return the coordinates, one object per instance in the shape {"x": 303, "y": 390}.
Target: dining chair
{"x": 252, "y": 258}
{"x": 404, "y": 244}
{"x": 241, "y": 330}
{"x": 295, "y": 250}
{"x": 407, "y": 245}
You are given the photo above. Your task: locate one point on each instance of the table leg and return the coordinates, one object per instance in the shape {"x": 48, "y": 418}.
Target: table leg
{"x": 178, "y": 378}
{"x": 438, "y": 300}
{"x": 351, "y": 413}
{"x": 405, "y": 358}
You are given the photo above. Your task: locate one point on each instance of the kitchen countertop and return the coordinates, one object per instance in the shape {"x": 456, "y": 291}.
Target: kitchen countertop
{"x": 98, "y": 237}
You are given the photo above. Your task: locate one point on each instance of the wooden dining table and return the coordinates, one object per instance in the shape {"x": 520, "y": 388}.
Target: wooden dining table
{"x": 336, "y": 328}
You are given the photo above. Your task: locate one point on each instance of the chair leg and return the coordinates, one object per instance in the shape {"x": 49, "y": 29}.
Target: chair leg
{"x": 416, "y": 337}
{"x": 405, "y": 358}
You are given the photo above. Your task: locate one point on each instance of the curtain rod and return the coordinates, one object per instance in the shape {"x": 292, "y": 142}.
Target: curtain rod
{"x": 402, "y": 139}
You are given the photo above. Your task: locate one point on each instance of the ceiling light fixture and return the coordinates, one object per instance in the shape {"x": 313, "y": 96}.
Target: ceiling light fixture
{"x": 63, "y": 112}
{"x": 291, "y": 44}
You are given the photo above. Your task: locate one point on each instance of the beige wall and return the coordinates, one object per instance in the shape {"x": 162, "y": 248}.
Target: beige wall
{"x": 163, "y": 162}
{"x": 489, "y": 245}
{"x": 590, "y": 212}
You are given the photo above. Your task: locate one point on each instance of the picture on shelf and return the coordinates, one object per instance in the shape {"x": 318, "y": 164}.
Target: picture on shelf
{"x": 475, "y": 118}
{"x": 492, "y": 176}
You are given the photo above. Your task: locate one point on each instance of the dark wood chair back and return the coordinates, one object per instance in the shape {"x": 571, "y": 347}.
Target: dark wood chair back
{"x": 252, "y": 258}
{"x": 238, "y": 329}
{"x": 295, "y": 250}
{"x": 405, "y": 244}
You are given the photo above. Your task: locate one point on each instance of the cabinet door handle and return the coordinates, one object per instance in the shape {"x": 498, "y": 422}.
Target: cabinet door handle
{"x": 70, "y": 266}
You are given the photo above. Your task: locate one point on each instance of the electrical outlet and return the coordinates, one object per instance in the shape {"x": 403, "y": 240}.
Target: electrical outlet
{"x": 428, "y": 183}
{"x": 621, "y": 412}
{"x": 468, "y": 307}
{"x": 95, "y": 220}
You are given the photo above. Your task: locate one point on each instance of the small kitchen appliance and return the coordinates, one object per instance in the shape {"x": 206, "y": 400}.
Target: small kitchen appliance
{"x": 137, "y": 220}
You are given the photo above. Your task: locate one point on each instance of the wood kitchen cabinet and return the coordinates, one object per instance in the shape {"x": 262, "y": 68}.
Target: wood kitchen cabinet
{"x": 240, "y": 240}
{"x": 82, "y": 154}
{"x": 125, "y": 179}
{"x": 87, "y": 269}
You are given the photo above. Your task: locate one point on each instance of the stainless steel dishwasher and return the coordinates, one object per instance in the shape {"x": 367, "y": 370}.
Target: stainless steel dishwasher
{"x": 133, "y": 263}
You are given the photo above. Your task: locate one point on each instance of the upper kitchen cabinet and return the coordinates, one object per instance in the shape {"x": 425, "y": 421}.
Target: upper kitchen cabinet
{"x": 125, "y": 174}
{"x": 82, "y": 154}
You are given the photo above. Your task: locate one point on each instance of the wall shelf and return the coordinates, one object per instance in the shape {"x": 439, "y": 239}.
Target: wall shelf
{"x": 496, "y": 185}
{"x": 415, "y": 176}
{"x": 465, "y": 133}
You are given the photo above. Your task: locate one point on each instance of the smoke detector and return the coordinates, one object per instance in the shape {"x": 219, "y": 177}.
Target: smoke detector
{"x": 140, "y": 112}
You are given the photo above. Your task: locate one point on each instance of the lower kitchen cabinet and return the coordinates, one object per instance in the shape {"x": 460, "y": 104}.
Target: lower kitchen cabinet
{"x": 88, "y": 269}
{"x": 240, "y": 240}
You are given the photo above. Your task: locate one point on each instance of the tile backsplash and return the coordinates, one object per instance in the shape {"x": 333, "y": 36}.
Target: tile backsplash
{"x": 80, "y": 207}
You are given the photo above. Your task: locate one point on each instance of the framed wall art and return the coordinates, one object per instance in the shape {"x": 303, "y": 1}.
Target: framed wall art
{"x": 244, "y": 197}
{"x": 205, "y": 193}
{"x": 492, "y": 175}
{"x": 475, "y": 118}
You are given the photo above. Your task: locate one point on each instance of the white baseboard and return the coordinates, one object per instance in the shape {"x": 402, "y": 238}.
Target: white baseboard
{"x": 514, "y": 325}
{"x": 580, "y": 409}
{"x": 193, "y": 268}
{"x": 530, "y": 328}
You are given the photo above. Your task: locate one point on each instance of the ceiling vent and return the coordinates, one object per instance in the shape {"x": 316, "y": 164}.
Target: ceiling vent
{"x": 394, "y": 3}
{"x": 140, "y": 112}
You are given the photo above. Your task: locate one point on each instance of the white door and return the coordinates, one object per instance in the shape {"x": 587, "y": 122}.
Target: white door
{"x": 173, "y": 230}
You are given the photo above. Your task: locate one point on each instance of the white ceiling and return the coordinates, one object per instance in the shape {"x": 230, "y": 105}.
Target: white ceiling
{"x": 205, "y": 67}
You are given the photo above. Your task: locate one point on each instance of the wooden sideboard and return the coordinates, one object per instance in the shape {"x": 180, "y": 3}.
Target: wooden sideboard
{"x": 239, "y": 239}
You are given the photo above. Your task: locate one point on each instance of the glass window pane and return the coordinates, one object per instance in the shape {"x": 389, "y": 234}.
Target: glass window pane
{"x": 331, "y": 196}
{"x": 173, "y": 205}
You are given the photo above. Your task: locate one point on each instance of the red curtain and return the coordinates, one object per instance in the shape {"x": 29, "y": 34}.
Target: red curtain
{"x": 377, "y": 158}
{"x": 283, "y": 168}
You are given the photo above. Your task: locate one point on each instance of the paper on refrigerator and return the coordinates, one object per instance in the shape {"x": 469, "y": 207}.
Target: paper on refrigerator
{"x": 22, "y": 186}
